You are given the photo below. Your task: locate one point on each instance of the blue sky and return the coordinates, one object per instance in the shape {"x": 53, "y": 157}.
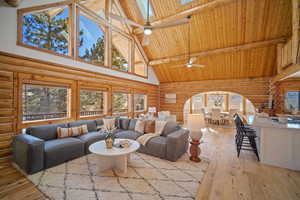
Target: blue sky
{"x": 92, "y": 32}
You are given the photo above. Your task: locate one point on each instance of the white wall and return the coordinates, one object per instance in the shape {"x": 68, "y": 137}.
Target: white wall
{"x": 8, "y": 38}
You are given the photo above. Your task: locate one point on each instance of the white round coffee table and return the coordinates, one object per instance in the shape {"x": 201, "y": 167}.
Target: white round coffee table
{"x": 115, "y": 158}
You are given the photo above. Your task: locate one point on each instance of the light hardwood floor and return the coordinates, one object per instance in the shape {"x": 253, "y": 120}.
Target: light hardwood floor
{"x": 232, "y": 178}
{"x": 227, "y": 178}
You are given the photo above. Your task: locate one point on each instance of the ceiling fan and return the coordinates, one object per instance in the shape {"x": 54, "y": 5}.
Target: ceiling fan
{"x": 147, "y": 27}
{"x": 190, "y": 59}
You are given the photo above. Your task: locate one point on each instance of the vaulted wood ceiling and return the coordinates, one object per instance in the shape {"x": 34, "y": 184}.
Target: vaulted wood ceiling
{"x": 231, "y": 23}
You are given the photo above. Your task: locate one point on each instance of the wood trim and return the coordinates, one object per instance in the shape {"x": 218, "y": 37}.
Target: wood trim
{"x": 47, "y": 65}
{"x": 219, "y": 51}
{"x": 44, "y": 7}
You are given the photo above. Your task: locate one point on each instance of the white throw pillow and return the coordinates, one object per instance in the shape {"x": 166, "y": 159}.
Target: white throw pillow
{"x": 140, "y": 126}
{"x": 159, "y": 126}
{"x": 109, "y": 124}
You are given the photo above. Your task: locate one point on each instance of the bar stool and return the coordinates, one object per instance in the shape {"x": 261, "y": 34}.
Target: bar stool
{"x": 245, "y": 137}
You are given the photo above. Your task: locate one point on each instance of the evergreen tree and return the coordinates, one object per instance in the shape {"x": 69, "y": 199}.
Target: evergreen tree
{"x": 46, "y": 31}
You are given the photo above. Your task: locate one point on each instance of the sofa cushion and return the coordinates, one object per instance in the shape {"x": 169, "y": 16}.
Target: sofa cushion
{"x": 169, "y": 128}
{"x": 132, "y": 124}
{"x": 91, "y": 124}
{"x": 133, "y": 135}
{"x": 124, "y": 123}
{"x": 91, "y": 138}
{"x": 117, "y": 121}
{"x": 45, "y": 132}
{"x": 156, "y": 146}
{"x": 62, "y": 150}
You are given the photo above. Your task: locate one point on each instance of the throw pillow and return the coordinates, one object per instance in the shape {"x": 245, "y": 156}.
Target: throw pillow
{"x": 76, "y": 131}
{"x": 84, "y": 129}
{"x": 150, "y": 126}
{"x": 140, "y": 126}
{"x": 63, "y": 132}
{"x": 159, "y": 126}
{"x": 109, "y": 124}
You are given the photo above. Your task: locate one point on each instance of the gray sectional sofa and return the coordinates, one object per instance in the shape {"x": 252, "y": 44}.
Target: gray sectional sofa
{"x": 40, "y": 148}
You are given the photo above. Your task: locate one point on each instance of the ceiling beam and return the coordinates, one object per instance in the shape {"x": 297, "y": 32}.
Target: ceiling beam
{"x": 286, "y": 73}
{"x": 192, "y": 11}
{"x": 219, "y": 51}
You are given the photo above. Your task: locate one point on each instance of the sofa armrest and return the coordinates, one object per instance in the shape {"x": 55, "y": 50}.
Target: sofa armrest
{"x": 28, "y": 153}
{"x": 177, "y": 144}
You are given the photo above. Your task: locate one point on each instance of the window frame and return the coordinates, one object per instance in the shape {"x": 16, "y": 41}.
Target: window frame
{"x": 141, "y": 12}
{"x": 73, "y": 35}
{"x": 129, "y": 103}
{"x": 284, "y": 98}
{"x": 24, "y": 11}
{"x": 105, "y": 101}
{"x": 46, "y": 84}
{"x": 105, "y": 30}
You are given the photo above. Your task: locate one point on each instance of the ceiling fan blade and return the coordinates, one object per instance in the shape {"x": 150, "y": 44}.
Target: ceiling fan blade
{"x": 124, "y": 20}
{"x": 198, "y": 65}
{"x": 146, "y": 40}
{"x": 172, "y": 23}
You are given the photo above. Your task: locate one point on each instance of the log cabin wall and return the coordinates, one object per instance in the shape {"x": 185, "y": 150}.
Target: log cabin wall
{"x": 256, "y": 90}
{"x": 14, "y": 69}
{"x": 278, "y": 91}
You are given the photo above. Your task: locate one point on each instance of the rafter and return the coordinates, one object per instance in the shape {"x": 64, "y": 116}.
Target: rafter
{"x": 192, "y": 11}
{"x": 219, "y": 51}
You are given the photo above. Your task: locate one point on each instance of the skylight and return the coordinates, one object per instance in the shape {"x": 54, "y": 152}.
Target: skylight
{"x": 186, "y": 1}
{"x": 143, "y": 8}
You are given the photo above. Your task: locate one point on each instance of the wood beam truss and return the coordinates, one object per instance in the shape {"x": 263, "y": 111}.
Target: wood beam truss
{"x": 219, "y": 51}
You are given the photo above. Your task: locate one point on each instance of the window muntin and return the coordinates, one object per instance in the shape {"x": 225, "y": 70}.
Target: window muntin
{"x": 142, "y": 4}
{"x": 140, "y": 67}
{"x": 47, "y": 29}
{"x": 44, "y": 102}
{"x": 120, "y": 102}
{"x": 91, "y": 39}
{"x": 140, "y": 102}
{"x": 186, "y": 1}
{"x": 120, "y": 52}
{"x": 292, "y": 101}
{"x": 92, "y": 102}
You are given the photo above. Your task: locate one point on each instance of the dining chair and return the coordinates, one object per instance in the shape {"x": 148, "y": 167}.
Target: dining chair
{"x": 216, "y": 116}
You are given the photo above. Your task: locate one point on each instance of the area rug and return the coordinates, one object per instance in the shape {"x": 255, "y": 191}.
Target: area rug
{"x": 148, "y": 178}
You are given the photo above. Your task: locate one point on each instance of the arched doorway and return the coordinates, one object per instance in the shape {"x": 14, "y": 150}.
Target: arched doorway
{"x": 218, "y": 99}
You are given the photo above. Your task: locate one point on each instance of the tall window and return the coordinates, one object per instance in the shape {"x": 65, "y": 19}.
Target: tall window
{"x": 120, "y": 51}
{"x": 198, "y": 103}
{"x": 44, "y": 102}
{"x": 292, "y": 101}
{"x": 236, "y": 102}
{"x": 140, "y": 102}
{"x": 47, "y": 29}
{"x": 91, "y": 39}
{"x": 120, "y": 102}
{"x": 92, "y": 102}
{"x": 142, "y": 4}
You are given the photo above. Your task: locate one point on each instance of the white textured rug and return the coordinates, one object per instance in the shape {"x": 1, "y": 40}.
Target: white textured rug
{"x": 148, "y": 178}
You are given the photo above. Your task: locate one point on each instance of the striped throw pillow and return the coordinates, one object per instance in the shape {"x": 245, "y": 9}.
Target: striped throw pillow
{"x": 64, "y": 132}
